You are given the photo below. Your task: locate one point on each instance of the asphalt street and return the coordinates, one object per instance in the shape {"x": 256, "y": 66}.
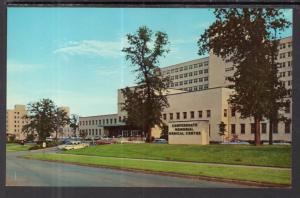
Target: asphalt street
{"x": 26, "y": 172}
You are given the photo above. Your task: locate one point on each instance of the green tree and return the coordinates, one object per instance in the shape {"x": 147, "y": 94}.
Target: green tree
{"x": 60, "y": 119}
{"x": 243, "y": 37}
{"x": 82, "y": 134}
{"x": 74, "y": 123}
{"x": 40, "y": 118}
{"x": 277, "y": 92}
{"x": 145, "y": 102}
{"x": 222, "y": 128}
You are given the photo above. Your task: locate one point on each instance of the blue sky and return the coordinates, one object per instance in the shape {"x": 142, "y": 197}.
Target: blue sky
{"x": 73, "y": 55}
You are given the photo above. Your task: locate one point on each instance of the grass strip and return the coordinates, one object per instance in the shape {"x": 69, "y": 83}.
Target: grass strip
{"x": 263, "y": 175}
{"x": 17, "y": 147}
{"x": 266, "y": 155}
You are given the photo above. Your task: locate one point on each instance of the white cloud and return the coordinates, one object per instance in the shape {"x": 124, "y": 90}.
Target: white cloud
{"x": 92, "y": 48}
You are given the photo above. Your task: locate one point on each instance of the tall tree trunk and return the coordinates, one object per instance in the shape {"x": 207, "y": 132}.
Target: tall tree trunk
{"x": 257, "y": 131}
{"x": 271, "y": 132}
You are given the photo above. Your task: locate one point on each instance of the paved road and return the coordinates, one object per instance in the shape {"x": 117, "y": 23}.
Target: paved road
{"x": 25, "y": 172}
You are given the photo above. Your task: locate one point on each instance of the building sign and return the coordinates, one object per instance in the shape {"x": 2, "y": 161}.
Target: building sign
{"x": 188, "y": 132}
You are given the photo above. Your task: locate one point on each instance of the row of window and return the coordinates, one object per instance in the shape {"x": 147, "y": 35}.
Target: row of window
{"x": 283, "y": 74}
{"x": 191, "y": 81}
{"x": 184, "y": 115}
{"x": 104, "y": 121}
{"x": 263, "y": 128}
{"x": 283, "y": 64}
{"x": 194, "y": 66}
{"x": 283, "y": 55}
{"x": 91, "y": 131}
{"x": 196, "y": 88}
{"x": 233, "y": 111}
{"x": 185, "y": 75}
{"x": 282, "y": 45}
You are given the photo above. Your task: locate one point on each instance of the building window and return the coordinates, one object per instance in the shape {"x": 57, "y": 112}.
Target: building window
{"x": 225, "y": 112}
{"x": 171, "y": 116}
{"x": 275, "y": 128}
{"x": 164, "y": 116}
{"x": 206, "y": 71}
{"x": 115, "y": 120}
{"x": 208, "y": 113}
{"x": 205, "y": 86}
{"x": 288, "y": 107}
{"x": 184, "y": 115}
{"x": 120, "y": 119}
{"x": 243, "y": 128}
{"x": 232, "y": 112}
{"x": 89, "y": 122}
{"x": 192, "y": 114}
{"x": 205, "y": 78}
{"x": 177, "y": 115}
{"x": 287, "y": 127}
{"x": 200, "y": 72}
{"x": 252, "y": 128}
{"x": 200, "y": 114}
{"x": 263, "y": 128}
{"x": 232, "y": 128}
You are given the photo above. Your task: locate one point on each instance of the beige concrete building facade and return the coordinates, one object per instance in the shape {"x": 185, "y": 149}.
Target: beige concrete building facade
{"x": 198, "y": 92}
{"x": 218, "y": 73}
{"x": 15, "y": 121}
{"x": 98, "y": 126}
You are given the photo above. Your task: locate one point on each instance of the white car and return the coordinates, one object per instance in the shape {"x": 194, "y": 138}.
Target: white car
{"x": 236, "y": 142}
{"x": 73, "y": 145}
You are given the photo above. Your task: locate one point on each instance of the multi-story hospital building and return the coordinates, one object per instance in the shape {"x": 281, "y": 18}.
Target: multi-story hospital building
{"x": 199, "y": 92}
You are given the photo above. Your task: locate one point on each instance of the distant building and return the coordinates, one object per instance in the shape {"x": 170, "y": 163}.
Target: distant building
{"x": 15, "y": 123}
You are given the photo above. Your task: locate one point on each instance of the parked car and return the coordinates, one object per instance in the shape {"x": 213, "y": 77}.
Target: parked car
{"x": 236, "y": 142}
{"x": 106, "y": 141}
{"x": 160, "y": 141}
{"x": 71, "y": 145}
{"x": 279, "y": 143}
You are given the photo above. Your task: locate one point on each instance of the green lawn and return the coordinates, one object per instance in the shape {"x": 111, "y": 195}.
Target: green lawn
{"x": 276, "y": 155}
{"x": 11, "y": 147}
{"x": 263, "y": 175}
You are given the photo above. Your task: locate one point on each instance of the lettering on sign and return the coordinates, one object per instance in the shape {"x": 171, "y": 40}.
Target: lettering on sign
{"x": 184, "y": 129}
